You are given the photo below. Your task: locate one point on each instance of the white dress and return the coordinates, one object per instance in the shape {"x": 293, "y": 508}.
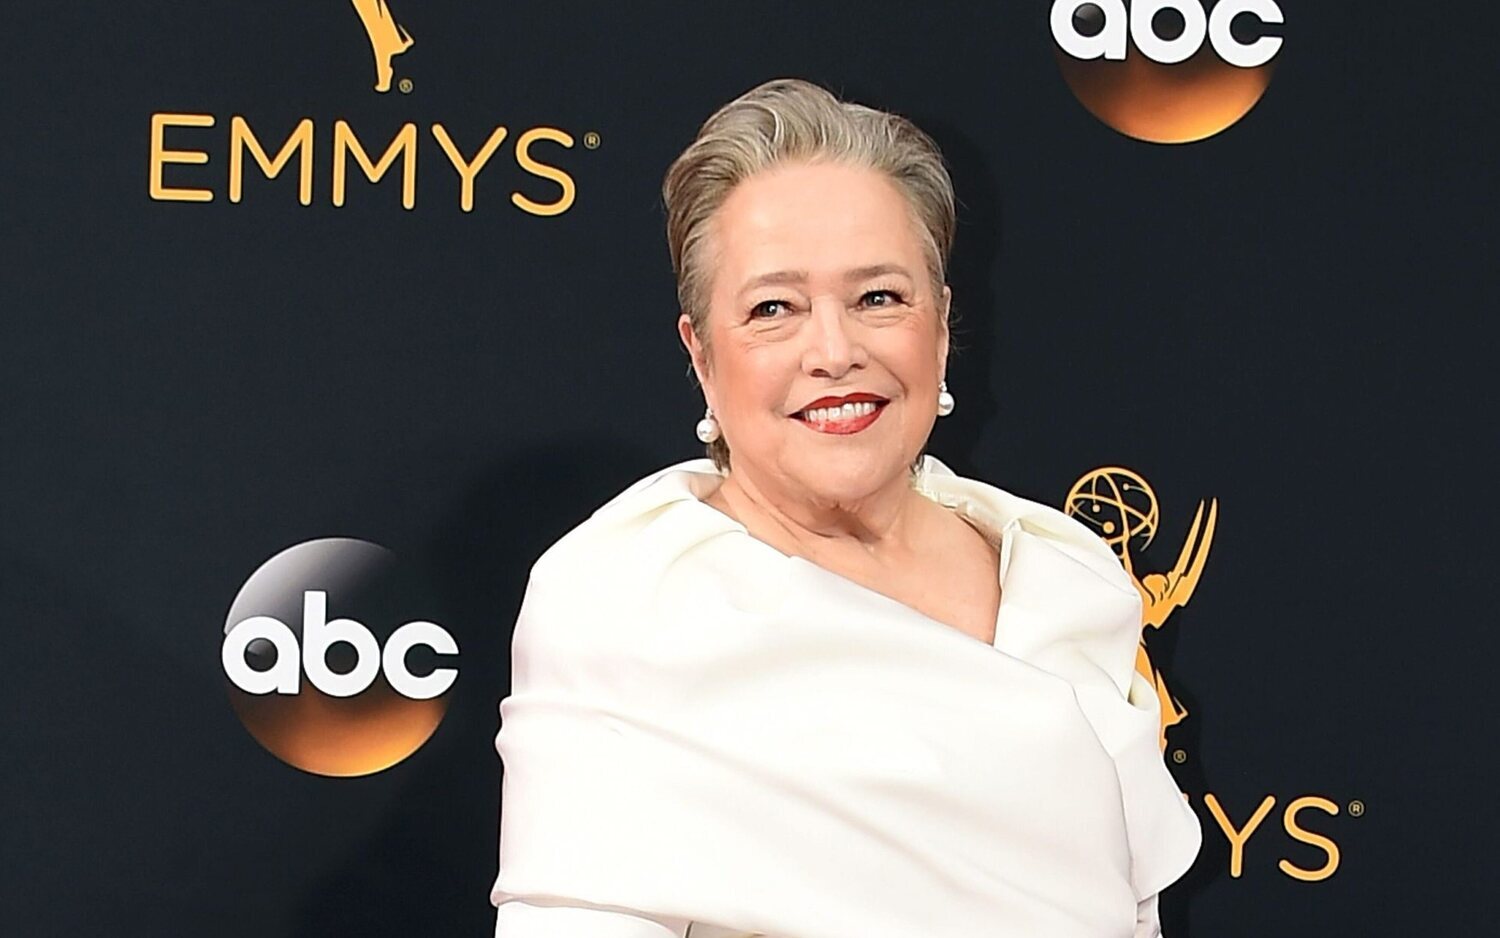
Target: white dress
{"x": 707, "y": 738}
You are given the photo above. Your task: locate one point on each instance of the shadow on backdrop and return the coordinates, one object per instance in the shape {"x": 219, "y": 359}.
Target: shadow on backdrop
{"x": 976, "y": 308}
{"x": 427, "y": 867}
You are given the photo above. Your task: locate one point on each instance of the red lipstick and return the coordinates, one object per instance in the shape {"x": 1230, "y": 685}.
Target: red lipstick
{"x": 855, "y": 398}
{"x": 830, "y": 415}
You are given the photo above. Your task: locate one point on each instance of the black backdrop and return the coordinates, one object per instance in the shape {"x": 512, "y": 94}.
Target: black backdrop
{"x": 1290, "y": 317}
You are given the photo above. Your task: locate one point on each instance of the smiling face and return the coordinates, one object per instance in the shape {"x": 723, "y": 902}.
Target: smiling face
{"x": 820, "y": 293}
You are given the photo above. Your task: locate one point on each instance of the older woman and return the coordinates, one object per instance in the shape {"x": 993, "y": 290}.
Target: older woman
{"x": 818, "y": 685}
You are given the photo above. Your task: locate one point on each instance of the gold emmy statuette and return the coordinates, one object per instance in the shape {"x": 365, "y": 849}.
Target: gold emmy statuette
{"x": 388, "y": 38}
{"x": 1118, "y": 505}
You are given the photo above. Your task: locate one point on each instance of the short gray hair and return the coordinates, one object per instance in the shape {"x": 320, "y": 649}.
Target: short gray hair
{"x": 790, "y": 120}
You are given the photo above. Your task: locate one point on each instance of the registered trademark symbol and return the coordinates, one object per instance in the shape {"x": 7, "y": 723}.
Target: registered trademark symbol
{"x": 1356, "y": 808}
{"x": 1179, "y": 756}
{"x": 591, "y": 140}
{"x": 405, "y": 85}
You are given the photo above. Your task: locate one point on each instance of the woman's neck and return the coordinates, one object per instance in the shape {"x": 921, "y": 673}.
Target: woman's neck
{"x": 880, "y": 524}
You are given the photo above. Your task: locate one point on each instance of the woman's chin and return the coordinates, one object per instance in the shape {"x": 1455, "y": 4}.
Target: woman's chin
{"x": 848, "y": 477}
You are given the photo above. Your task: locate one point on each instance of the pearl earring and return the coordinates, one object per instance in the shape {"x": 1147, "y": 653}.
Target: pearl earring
{"x": 708, "y": 427}
{"x": 945, "y": 400}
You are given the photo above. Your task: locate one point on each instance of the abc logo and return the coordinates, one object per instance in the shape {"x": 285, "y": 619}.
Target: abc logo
{"x": 331, "y": 696}
{"x": 1195, "y": 69}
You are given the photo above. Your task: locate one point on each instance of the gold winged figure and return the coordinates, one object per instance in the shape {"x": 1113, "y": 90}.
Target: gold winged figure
{"x": 1121, "y": 507}
{"x": 388, "y": 38}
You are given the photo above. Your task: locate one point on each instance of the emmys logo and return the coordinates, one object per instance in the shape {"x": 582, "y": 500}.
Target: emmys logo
{"x": 365, "y": 703}
{"x": 388, "y": 38}
{"x": 1121, "y": 508}
{"x": 1192, "y": 73}
{"x": 537, "y": 185}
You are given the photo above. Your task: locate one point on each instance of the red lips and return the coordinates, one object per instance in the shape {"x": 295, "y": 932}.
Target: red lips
{"x": 855, "y": 398}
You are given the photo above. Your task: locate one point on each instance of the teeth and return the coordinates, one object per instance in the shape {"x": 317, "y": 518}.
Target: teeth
{"x": 845, "y": 412}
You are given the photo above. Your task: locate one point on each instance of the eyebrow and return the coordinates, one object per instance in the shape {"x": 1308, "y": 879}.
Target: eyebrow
{"x": 800, "y": 276}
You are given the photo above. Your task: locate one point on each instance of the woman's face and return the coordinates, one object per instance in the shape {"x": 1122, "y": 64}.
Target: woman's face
{"x": 819, "y": 289}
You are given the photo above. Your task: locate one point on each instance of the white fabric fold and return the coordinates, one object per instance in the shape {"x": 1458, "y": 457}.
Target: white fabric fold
{"x": 702, "y": 728}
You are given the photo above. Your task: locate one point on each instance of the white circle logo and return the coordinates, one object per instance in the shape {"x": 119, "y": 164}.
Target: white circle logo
{"x": 328, "y": 694}
{"x": 1193, "y": 70}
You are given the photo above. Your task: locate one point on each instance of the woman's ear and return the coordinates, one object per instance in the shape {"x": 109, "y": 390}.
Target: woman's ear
{"x": 945, "y": 303}
{"x": 694, "y": 349}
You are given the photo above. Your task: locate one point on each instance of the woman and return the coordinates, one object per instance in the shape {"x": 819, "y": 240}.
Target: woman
{"x": 818, "y": 685}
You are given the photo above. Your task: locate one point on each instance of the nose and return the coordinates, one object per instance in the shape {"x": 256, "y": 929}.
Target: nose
{"x": 833, "y": 346}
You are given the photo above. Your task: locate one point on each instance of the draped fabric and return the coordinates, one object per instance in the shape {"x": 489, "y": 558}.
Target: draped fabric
{"x": 702, "y": 728}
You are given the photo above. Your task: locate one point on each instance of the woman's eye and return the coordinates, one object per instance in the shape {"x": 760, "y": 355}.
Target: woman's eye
{"x": 768, "y": 309}
{"x": 881, "y": 298}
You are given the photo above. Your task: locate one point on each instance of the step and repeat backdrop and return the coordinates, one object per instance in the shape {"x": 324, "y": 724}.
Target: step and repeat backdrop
{"x": 322, "y": 320}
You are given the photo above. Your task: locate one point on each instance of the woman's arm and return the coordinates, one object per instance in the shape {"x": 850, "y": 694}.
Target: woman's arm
{"x": 518, "y": 919}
